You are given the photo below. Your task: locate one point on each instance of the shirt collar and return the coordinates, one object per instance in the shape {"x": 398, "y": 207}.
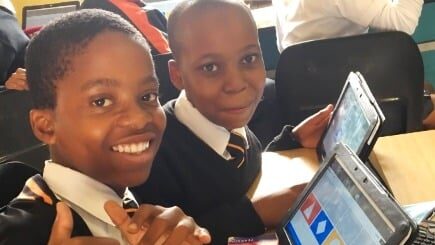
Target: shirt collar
{"x": 213, "y": 135}
{"x": 81, "y": 190}
{"x": 8, "y": 5}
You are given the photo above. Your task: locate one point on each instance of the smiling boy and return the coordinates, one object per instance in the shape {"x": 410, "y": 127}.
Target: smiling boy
{"x": 96, "y": 105}
{"x": 218, "y": 66}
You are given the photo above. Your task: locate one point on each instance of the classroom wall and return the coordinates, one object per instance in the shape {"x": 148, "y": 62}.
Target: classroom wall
{"x": 19, "y": 4}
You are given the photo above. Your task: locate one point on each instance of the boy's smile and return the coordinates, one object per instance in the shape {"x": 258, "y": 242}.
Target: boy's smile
{"x": 108, "y": 122}
{"x": 219, "y": 64}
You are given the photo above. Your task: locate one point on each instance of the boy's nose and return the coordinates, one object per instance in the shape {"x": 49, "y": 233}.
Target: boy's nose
{"x": 234, "y": 81}
{"x": 134, "y": 117}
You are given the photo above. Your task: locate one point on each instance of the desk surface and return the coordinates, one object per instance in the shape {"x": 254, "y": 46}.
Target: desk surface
{"x": 407, "y": 164}
{"x": 284, "y": 169}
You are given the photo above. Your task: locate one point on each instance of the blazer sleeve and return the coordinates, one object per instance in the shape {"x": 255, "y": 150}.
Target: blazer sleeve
{"x": 284, "y": 141}
{"x": 26, "y": 222}
{"x": 7, "y": 57}
{"x": 224, "y": 221}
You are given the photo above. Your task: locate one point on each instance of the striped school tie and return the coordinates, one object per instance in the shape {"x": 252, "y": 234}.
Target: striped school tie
{"x": 237, "y": 148}
{"x": 130, "y": 205}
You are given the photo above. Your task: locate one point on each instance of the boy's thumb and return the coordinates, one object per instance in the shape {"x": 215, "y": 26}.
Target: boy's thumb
{"x": 62, "y": 226}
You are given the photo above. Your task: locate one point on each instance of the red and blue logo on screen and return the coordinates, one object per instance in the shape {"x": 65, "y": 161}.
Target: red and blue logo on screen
{"x": 315, "y": 227}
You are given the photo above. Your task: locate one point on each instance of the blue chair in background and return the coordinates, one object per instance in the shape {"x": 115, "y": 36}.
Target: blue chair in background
{"x": 424, "y": 36}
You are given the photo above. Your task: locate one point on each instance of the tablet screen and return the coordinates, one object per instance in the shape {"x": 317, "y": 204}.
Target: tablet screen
{"x": 349, "y": 125}
{"x": 336, "y": 211}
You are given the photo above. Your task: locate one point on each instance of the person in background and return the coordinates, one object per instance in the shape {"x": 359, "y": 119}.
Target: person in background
{"x": 13, "y": 41}
{"x": 304, "y": 20}
{"x": 150, "y": 22}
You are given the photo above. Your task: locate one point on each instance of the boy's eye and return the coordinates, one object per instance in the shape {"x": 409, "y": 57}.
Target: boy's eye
{"x": 150, "y": 97}
{"x": 209, "y": 67}
{"x": 103, "y": 102}
{"x": 249, "y": 59}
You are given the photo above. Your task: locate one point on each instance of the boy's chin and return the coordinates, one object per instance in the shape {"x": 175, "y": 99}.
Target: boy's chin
{"x": 230, "y": 125}
{"x": 134, "y": 180}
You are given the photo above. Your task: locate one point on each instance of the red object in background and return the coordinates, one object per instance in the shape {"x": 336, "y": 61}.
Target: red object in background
{"x": 30, "y": 32}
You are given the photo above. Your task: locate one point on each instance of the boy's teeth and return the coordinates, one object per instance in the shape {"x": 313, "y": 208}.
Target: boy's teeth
{"x": 131, "y": 148}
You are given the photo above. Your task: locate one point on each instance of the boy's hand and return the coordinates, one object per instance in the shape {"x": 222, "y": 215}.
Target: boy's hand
{"x": 62, "y": 228}
{"x": 18, "y": 80}
{"x": 309, "y": 131}
{"x": 273, "y": 207}
{"x": 152, "y": 224}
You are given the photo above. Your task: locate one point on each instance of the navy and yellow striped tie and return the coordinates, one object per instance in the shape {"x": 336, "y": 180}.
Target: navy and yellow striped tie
{"x": 130, "y": 205}
{"x": 237, "y": 148}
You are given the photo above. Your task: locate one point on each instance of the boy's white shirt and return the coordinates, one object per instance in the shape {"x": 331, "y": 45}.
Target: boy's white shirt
{"x": 85, "y": 196}
{"x": 213, "y": 135}
{"x": 8, "y": 5}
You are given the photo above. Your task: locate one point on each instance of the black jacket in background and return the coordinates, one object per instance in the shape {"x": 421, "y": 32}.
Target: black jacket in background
{"x": 13, "y": 43}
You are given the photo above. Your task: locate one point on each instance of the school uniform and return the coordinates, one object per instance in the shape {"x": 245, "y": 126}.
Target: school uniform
{"x": 29, "y": 217}
{"x": 192, "y": 170}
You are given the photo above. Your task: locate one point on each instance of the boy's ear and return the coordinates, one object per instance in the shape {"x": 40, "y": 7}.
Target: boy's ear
{"x": 42, "y": 122}
{"x": 175, "y": 75}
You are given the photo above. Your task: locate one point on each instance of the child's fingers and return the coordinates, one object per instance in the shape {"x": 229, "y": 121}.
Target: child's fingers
{"x": 117, "y": 214}
{"x": 14, "y": 84}
{"x": 62, "y": 226}
{"x": 144, "y": 214}
{"x": 21, "y": 70}
{"x": 163, "y": 224}
{"x": 192, "y": 240}
{"x": 123, "y": 222}
{"x": 157, "y": 233}
{"x": 91, "y": 241}
{"x": 202, "y": 235}
{"x": 182, "y": 231}
{"x": 318, "y": 116}
{"x": 324, "y": 114}
{"x": 21, "y": 76}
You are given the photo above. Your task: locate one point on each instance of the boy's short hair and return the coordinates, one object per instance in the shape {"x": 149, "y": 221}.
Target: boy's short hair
{"x": 50, "y": 53}
{"x": 177, "y": 13}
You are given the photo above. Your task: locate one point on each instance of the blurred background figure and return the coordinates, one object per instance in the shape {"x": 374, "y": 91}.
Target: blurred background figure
{"x": 151, "y": 23}
{"x": 13, "y": 41}
{"x": 303, "y": 20}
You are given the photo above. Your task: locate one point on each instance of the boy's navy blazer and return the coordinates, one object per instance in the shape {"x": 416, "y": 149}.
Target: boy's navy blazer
{"x": 29, "y": 217}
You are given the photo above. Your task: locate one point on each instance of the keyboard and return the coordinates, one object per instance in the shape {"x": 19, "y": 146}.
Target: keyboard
{"x": 425, "y": 233}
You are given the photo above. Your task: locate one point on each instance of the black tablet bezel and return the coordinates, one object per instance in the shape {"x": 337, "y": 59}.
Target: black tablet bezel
{"x": 365, "y": 180}
{"x": 43, "y": 6}
{"x": 368, "y": 104}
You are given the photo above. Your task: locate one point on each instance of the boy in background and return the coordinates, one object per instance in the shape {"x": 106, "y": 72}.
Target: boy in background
{"x": 209, "y": 158}
{"x": 96, "y": 105}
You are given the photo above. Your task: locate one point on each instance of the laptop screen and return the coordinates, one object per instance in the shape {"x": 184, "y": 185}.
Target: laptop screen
{"x": 41, "y": 15}
{"x": 336, "y": 211}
